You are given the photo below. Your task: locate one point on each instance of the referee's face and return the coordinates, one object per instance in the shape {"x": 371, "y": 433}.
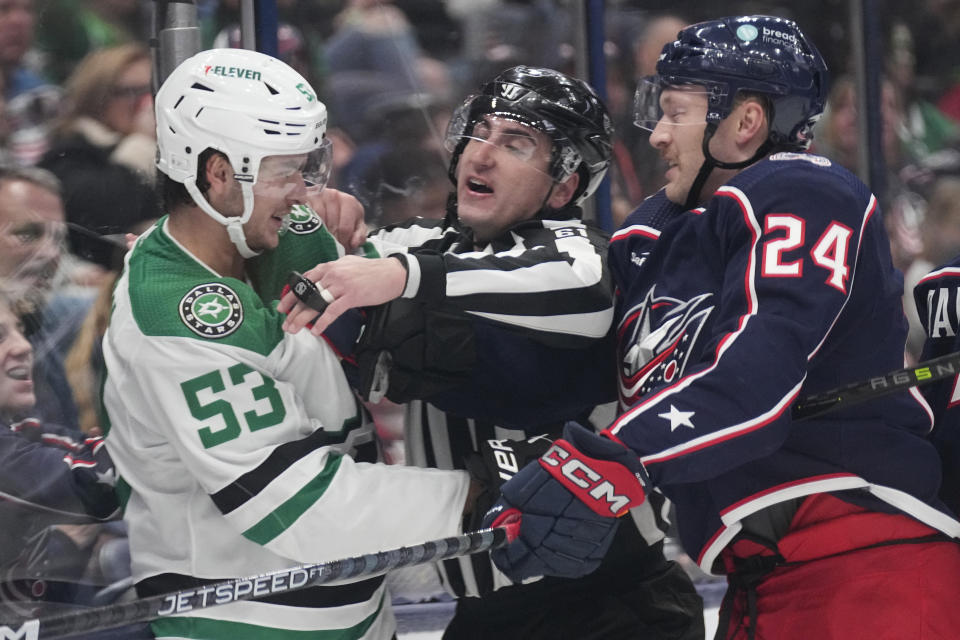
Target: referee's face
{"x": 502, "y": 177}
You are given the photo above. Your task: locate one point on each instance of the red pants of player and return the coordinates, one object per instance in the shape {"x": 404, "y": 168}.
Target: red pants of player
{"x": 843, "y": 573}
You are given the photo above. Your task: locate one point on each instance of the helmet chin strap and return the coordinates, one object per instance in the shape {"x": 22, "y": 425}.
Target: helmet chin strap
{"x": 233, "y": 224}
{"x": 709, "y": 163}
{"x": 553, "y": 185}
{"x": 235, "y": 231}
{"x": 546, "y": 198}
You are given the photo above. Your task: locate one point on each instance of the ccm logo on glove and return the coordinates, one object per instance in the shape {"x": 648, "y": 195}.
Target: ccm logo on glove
{"x": 608, "y": 488}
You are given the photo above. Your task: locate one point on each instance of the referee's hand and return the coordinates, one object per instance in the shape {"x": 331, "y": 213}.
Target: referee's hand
{"x": 346, "y": 283}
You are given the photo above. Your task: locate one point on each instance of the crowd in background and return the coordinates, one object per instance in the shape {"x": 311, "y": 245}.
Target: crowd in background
{"x": 77, "y": 145}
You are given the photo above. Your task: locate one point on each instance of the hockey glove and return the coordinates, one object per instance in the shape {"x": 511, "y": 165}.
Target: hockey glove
{"x": 410, "y": 351}
{"x": 95, "y": 476}
{"x": 569, "y": 501}
{"x": 90, "y": 466}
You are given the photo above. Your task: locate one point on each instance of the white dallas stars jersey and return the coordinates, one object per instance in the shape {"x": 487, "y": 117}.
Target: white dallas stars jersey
{"x": 231, "y": 440}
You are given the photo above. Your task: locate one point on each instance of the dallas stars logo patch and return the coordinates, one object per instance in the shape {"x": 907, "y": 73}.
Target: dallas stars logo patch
{"x": 302, "y": 220}
{"x": 211, "y": 310}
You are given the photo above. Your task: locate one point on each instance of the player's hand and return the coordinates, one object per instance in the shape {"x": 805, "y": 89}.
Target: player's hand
{"x": 342, "y": 214}
{"x": 569, "y": 501}
{"x": 346, "y": 283}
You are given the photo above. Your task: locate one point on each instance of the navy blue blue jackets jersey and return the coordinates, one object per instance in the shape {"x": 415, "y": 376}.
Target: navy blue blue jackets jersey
{"x": 48, "y": 478}
{"x": 781, "y": 286}
{"x": 937, "y": 296}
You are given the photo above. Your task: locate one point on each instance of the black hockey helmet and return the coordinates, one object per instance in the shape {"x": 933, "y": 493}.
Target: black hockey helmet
{"x": 566, "y": 109}
{"x": 759, "y": 54}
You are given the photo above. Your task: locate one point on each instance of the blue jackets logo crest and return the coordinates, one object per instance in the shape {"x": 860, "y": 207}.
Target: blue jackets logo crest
{"x": 659, "y": 334}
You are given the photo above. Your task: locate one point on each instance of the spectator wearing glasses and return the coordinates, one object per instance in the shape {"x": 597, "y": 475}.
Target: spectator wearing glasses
{"x": 103, "y": 148}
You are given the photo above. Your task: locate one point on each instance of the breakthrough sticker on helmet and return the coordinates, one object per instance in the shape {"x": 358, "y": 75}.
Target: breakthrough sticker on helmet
{"x": 211, "y": 310}
{"x": 747, "y": 32}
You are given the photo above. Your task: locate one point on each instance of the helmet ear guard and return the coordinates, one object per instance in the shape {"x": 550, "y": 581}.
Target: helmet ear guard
{"x": 564, "y": 108}
{"x": 246, "y": 105}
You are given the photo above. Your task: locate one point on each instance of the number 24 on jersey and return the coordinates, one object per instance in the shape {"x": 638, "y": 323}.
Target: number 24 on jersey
{"x": 829, "y": 252}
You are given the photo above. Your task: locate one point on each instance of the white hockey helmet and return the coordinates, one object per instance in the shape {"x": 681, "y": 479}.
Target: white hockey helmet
{"x": 247, "y": 105}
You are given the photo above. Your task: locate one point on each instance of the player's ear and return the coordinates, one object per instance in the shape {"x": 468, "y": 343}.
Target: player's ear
{"x": 752, "y": 121}
{"x": 563, "y": 192}
{"x": 218, "y": 172}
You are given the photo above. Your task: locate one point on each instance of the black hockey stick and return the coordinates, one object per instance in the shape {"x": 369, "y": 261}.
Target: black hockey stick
{"x": 856, "y": 392}
{"x": 114, "y": 240}
{"x": 253, "y": 587}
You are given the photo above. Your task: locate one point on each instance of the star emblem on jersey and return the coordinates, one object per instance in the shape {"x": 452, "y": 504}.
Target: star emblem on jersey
{"x": 108, "y": 477}
{"x": 302, "y": 220}
{"x": 211, "y": 310}
{"x": 677, "y": 418}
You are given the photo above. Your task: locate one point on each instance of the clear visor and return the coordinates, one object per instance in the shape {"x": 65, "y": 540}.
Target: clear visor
{"x": 672, "y": 104}
{"x": 513, "y": 135}
{"x": 279, "y": 172}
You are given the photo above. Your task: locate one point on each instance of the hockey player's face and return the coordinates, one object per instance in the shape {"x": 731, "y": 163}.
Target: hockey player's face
{"x": 501, "y": 176}
{"x": 16, "y": 365}
{"x": 279, "y": 186}
{"x": 678, "y": 137}
{"x": 32, "y": 232}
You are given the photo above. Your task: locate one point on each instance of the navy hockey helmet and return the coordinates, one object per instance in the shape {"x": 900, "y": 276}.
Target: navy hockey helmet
{"x": 758, "y": 54}
{"x": 568, "y": 110}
